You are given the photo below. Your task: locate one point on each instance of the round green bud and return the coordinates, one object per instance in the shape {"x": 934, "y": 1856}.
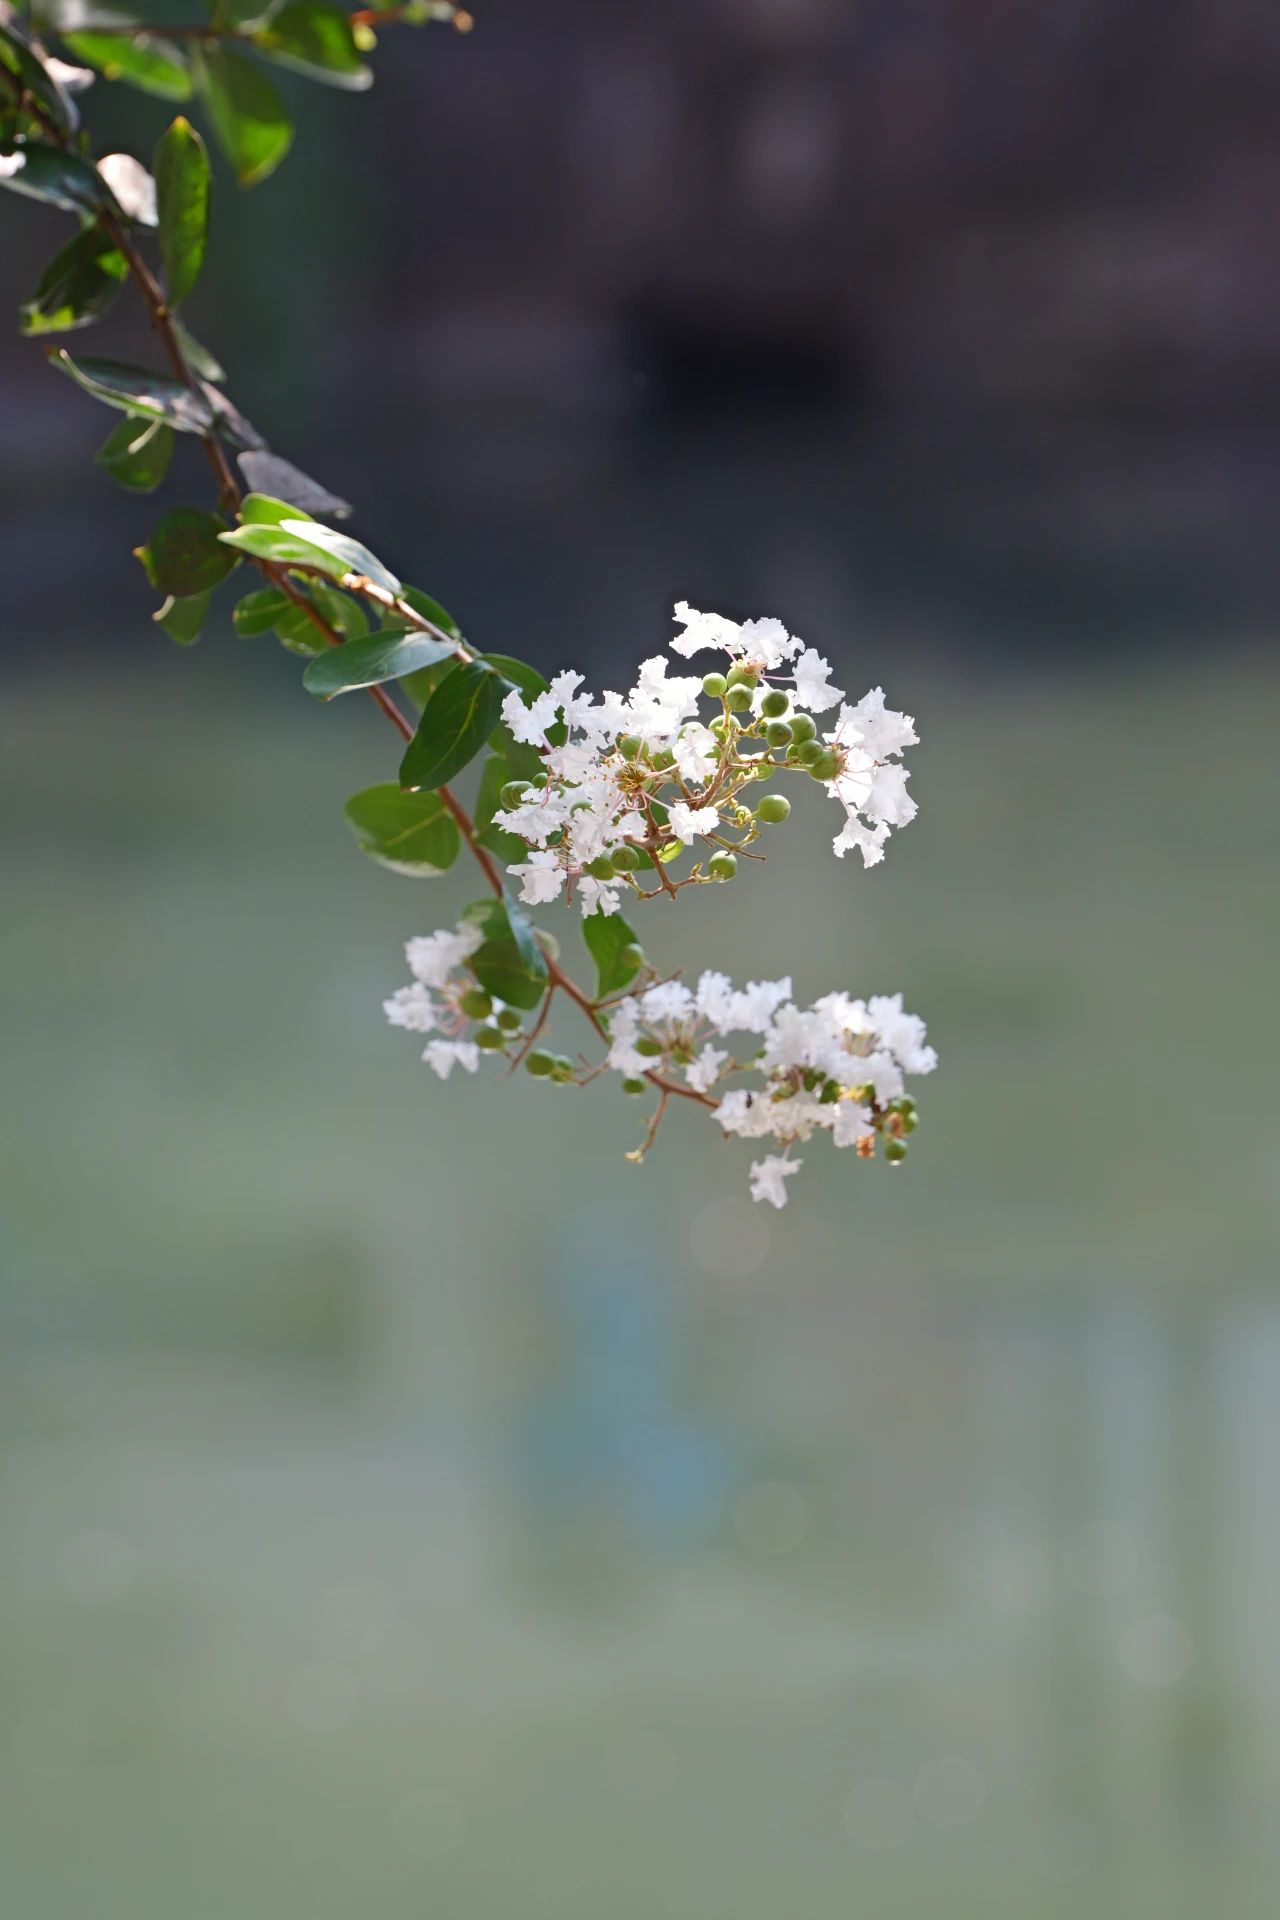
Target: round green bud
{"x": 601, "y": 868}
{"x": 742, "y": 676}
{"x": 895, "y": 1151}
{"x": 509, "y": 1020}
{"x": 722, "y": 866}
{"x": 562, "y": 1067}
{"x": 772, "y": 808}
{"x": 663, "y": 759}
{"x": 719, "y": 727}
{"x": 738, "y": 699}
{"x": 910, "y": 1122}
{"x": 713, "y": 685}
{"x": 778, "y": 733}
{"x": 629, "y": 746}
{"x": 539, "y": 1063}
{"x": 648, "y": 1046}
{"x": 825, "y": 767}
{"x": 803, "y": 727}
{"x": 513, "y": 793}
{"x": 774, "y": 704}
{"x": 808, "y": 751}
{"x": 476, "y": 1004}
{"x": 632, "y": 1085}
{"x": 538, "y": 780}
{"x": 488, "y": 1039}
{"x": 632, "y": 956}
{"x": 625, "y": 859}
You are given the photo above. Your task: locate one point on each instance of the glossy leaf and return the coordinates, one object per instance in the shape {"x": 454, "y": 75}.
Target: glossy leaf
{"x": 77, "y": 286}
{"x": 607, "y": 935}
{"x": 184, "y": 555}
{"x": 249, "y": 117}
{"x": 149, "y": 62}
{"x": 302, "y": 542}
{"x": 155, "y": 396}
{"x": 382, "y": 656}
{"x": 60, "y": 179}
{"x": 267, "y": 473}
{"x": 339, "y": 609}
{"x": 258, "y": 612}
{"x": 20, "y": 56}
{"x": 411, "y": 833}
{"x": 315, "y": 38}
{"x": 431, "y": 610}
{"x": 455, "y": 723}
{"x": 136, "y": 453}
{"x": 518, "y": 672}
{"x": 182, "y": 203}
{"x": 499, "y": 967}
{"x": 349, "y": 555}
{"x": 262, "y": 510}
{"x": 182, "y": 617}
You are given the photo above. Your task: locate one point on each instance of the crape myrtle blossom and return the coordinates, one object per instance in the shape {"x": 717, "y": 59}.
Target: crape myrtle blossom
{"x": 443, "y": 999}
{"x": 631, "y": 781}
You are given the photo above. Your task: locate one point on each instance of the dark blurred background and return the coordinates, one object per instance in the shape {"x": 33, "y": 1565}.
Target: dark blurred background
{"x": 408, "y": 1505}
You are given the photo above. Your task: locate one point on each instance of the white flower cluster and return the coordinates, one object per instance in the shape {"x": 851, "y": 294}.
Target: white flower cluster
{"x": 432, "y": 1003}
{"x": 838, "y": 1066}
{"x": 629, "y": 777}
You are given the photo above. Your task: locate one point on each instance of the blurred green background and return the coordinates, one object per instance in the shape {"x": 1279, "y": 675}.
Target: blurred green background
{"x": 409, "y": 1506}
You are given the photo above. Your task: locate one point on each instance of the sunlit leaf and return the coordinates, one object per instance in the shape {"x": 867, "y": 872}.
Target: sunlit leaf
{"x": 249, "y": 117}
{"x": 182, "y": 204}
{"x": 77, "y": 286}
{"x": 146, "y": 61}
{"x": 154, "y": 395}
{"x": 369, "y": 662}
{"x": 315, "y": 38}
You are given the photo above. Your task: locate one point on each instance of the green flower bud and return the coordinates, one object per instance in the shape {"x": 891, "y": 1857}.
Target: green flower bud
{"x": 778, "y": 733}
{"x": 648, "y": 1046}
{"x": 513, "y": 793}
{"x": 632, "y": 956}
{"x": 488, "y": 1039}
{"x": 476, "y": 1004}
{"x": 772, "y": 808}
{"x": 895, "y": 1151}
{"x": 910, "y": 1122}
{"x": 663, "y": 759}
{"x": 774, "y": 704}
{"x": 825, "y": 767}
{"x": 738, "y": 699}
{"x": 539, "y": 1064}
{"x": 625, "y": 859}
{"x": 632, "y": 1085}
{"x": 629, "y": 746}
{"x": 601, "y": 868}
{"x": 713, "y": 685}
{"x": 808, "y": 751}
{"x": 803, "y": 727}
{"x": 509, "y": 1020}
{"x": 562, "y": 1067}
{"x": 538, "y": 780}
{"x": 742, "y": 676}
{"x": 722, "y": 866}
{"x": 830, "y": 1094}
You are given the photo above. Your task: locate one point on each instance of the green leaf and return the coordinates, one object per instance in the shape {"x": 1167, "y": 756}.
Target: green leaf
{"x": 493, "y": 777}
{"x": 182, "y": 202}
{"x": 431, "y": 610}
{"x": 249, "y": 117}
{"x": 607, "y": 935}
{"x": 152, "y": 395}
{"x": 136, "y": 453}
{"x": 258, "y": 612}
{"x": 20, "y": 56}
{"x": 316, "y": 39}
{"x": 261, "y": 510}
{"x": 148, "y": 62}
{"x": 347, "y": 554}
{"x": 455, "y": 723}
{"x": 339, "y": 609}
{"x": 411, "y": 833}
{"x": 183, "y": 617}
{"x": 519, "y": 673}
{"x": 184, "y": 555}
{"x": 77, "y": 286}
{"x": 60, "y": 179}
{"x": 526, "y": 940}
{"x": 499, "y": 967}
{"x": 297, "y": 493}
{"x": 198, "y": 357}
{"x": 379, "y": 657}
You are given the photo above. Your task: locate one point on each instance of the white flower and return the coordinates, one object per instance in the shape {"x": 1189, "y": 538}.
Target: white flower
{"x": 884, "y": 732}
{"x": 666, "y": 1000}
{"x": 686, "y": 821}
{"x": 443, "y": 1055}
{"x": 702, "y": 1072}
{"x": 704, "y": 630}
{"x": 766, "y": 643}
{"x": 755, "y": 1006}
{"x": 695, "y": 751}
{"x": 541, "y": 877}
{"x": 868, "y": 840}
{"x": 411, "y": 1007}
{"x": 597, "y": 896}
{"x": 889, "y": 804}
{"x": 529, "y": 723}
{"x": 851, "y": 1124}
{"x": 813, "y": 682}
{"x": 715, "y": 1000}
{"x": 432, "y": 957}
{"x": 769, "y": 1177}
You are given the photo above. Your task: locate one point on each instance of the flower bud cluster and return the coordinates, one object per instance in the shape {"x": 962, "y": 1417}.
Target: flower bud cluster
{"x": 445, "y": 999}
{"x": 631, "y": 781}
